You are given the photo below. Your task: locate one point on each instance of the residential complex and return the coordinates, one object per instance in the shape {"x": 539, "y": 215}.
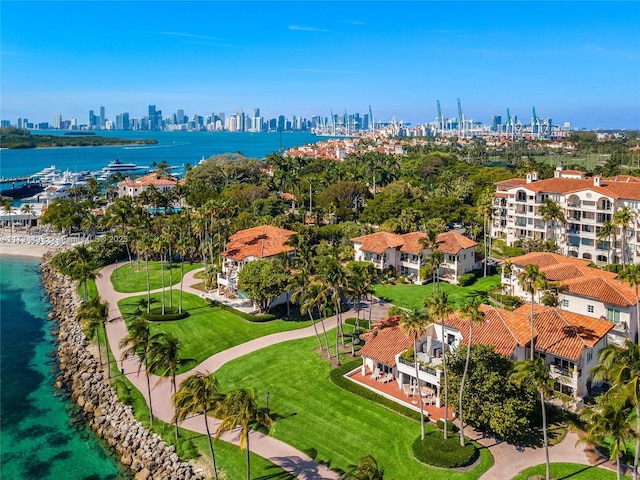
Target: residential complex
{"x": 407, "y": 254}
{"x": 588, "y": 205}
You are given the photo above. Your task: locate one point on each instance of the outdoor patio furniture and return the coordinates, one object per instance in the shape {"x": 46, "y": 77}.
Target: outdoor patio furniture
{"x": 407, "y": 390}
{"x": 376, "y": 374}
{"x": 387, "y": 378}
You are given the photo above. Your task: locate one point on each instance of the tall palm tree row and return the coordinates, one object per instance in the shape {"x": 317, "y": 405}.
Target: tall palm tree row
{"x": 93, "y": 316}
{"x": 239, "y": 409}
{"x": 199, "y": 393}
{"x": 414, "y": 324}
{"x": 532, "y": 280}
{"x": 440, "y": 308}
{"x": 621, "y": 219}
{"x": 620, "y": 366}
{"x": 536, "y": 373}
{"x": 631, "y": 275}
{"x": 137, "y": 342}
{"x": 164, "y": 359}
{"x": 475, "y": 315}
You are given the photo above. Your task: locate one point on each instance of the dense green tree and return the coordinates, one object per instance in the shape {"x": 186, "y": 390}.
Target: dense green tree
{"x": 367, "y": 468}
{"x": 263, "y": 281}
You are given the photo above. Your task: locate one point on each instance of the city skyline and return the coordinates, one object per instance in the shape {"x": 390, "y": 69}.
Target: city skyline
{"x": 575, "y": 62}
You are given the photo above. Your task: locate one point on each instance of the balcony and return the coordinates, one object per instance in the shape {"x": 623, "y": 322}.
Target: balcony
{"x": 566, "y": 376}
{"x": 428, "y": 373}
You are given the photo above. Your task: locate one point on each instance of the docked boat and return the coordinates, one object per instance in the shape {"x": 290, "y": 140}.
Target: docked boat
{"x": 116, "y": 166}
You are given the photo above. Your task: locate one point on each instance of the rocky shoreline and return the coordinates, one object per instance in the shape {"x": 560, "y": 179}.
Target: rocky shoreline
{"x": 144, "y": 452}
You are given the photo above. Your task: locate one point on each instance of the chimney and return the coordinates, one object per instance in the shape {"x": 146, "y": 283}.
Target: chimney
{"x": 558, "y": 172}
{"x": 532, "y": 177}
{"x": 596, "y": 180}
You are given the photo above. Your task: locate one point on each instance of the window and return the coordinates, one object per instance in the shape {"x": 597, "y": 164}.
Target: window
{"x": 589, "y": 355}
{"x": 565, "y": 303}
{"x": 590, "y": 308}
{"x": 613, "y": 315}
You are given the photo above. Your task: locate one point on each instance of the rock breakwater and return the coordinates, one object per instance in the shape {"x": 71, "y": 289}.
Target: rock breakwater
{"x": 144, "y": 452}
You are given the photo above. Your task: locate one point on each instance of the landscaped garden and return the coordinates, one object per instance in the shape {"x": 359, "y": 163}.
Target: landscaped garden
{"x": 414, "y": 296}
{"x": 315, "y": 415}
{"x": 133, "y": 278}
{"x": 208, "y": 329}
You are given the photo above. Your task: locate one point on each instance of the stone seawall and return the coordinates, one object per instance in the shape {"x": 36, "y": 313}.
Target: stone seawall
{"x": 144, "y": 452}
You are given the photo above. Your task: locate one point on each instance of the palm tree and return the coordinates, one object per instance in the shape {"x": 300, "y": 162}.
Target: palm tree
{"x": 164, "y": 359}
{"x": 198, "y": 394}
{"x": 335, "y": 280}
{"x": 414, "y": 323}
{"x": 508, "y": 269}
{"x": 531, "y": 280}
{"x": 608, "y": 421}
{"x": 366, "y": 469}
{"x": 184, "y": 247}
{"x": 536, "y": 373}
{"x": 240, "y": 409}
{"x": 7, "y": 209}
{"x": 137, "y": 342}
{"x": 620, "y": 366}
{"x": 631, "y": 275}
{"x": 93, "y": 316}
{"x": 606, "y": 232}
{"x": 27, "y": 209}
{"x": 435, "y": 259}
{"x": 439, "y": 307}
{"x": 159, "y": 246}
{"x": 82, "y": 266}
{"x": 551, "y": 213}
{"x": 475, "y": 315}
{"x": 621, "y": 219}
{"x": 146, "y": 247}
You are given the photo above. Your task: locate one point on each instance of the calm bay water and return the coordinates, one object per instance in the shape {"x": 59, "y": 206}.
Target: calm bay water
{"x": 177, "y": 148}
{"x": 39, "y": 438}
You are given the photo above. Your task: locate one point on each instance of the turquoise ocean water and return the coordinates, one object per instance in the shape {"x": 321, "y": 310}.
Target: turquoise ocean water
{"x": 177, "y": 148}
{"x": 40, "y": 437}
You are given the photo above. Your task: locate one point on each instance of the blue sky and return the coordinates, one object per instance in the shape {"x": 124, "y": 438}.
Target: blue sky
{"x": 574, "y": 61}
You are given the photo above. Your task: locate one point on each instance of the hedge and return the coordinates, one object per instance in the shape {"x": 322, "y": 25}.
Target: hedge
{"x": 466, "y": 279}
{"x": 156, "y": 315}
{"x": 245, "y": 316}
{"x": 336, "y": 376}
{"x": 436, "y": 451}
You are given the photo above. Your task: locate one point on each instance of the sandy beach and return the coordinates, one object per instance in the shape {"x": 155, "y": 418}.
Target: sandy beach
{"x": 24, "y": 249}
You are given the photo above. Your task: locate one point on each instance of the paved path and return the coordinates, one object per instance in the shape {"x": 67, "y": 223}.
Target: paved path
{"x": 277, "y": 452}
{"x": 509, "y": 459}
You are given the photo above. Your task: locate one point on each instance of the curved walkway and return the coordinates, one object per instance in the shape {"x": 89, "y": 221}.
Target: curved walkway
{"x": 288, "y": 458}
{"x": 509, "y": 459}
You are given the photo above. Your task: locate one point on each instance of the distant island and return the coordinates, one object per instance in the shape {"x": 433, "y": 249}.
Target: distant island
{"x": 13, "y": 138}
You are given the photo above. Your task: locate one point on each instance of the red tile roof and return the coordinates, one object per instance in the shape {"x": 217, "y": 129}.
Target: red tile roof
{"x": 386, "y": 341}
{"x": 378, "y": 242}
{"x": 606, "y": 290}
{"x": 502, "y": 329}
{"x": 626, "y": 188}
{"x": 260, "y": 242}
{"x": 568, "y": 271}
{"x": 565, "y": 334}
{"x": 148, "y": 180}
{"x": 545, "y": 259}
{"x": 452, "y": 242}
{"x": 412, "y": 242}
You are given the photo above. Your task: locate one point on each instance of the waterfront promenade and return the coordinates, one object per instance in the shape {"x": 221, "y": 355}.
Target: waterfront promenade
{"x": 509, "y": 459}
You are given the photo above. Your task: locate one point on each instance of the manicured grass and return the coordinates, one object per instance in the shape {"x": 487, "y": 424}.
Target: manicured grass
{"x": 312, "y": 414}
{"x": 573, "y": 471}
{"x": 131, "y": 279}
{"x": 414, "y": 296}
{"x": 207, "y": 330}
{"x": 92, "y": 291}
{"x": 230, "y": 460}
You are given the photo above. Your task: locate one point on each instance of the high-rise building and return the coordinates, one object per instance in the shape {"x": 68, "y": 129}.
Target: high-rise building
{"x": 240, "y": 120}
{"x": 496, "y": 123}
{"x": 57, "y": 121}
{"x": 153, "y": 118}
{"x": 103, "y": 119}
{"x": 92, "y": 120}
{"x": 180, "y": 118}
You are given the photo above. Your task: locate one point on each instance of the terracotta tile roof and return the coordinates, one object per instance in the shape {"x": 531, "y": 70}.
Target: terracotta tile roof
{"x": 622, "y": 178}
{"x": 386, "y": 341}
{"x": 606, "y": 290}
{"x": 545, "y": 259}
{"x": 378, "y": 242}
{"x": 572, "y": 172}
{"x": 452, "y": 242}
{"x": 412, "y": 242}
{"x": 511, "y": 182}
{"x": 566, "y": 334}
{"x": 623, "y": 188}
{"x": 260, "y": 242}
{"x": 568, "y": 271}
{"x": 501, "y": 329}
{"x": 148, "y": 180}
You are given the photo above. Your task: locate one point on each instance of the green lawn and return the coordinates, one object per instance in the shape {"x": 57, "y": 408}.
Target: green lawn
{"x": 131, "y": 279}
{"x": 314, "y": 415}
{"x": 573, "y": 471}
{"x": 207, "y": 330}
{"x": 414, "y": 296}
{"x": 92, "y": 291}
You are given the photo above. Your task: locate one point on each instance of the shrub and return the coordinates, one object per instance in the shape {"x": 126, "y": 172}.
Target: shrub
{"x": 466, "y": 279}
{"x": 245, "y": 316}
{"x": 395, "y": 310}
{"x": 510, "y": 301}
{"x": 435, "y": 450}
{"x": 451, "y": 427}
{"x": 156, "y": 315}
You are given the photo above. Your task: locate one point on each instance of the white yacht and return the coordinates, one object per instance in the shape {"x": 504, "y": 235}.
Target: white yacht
{"x": 116, "y": 166}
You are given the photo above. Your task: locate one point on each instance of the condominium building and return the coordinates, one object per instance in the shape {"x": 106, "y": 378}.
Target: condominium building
{"x": 586, "y": 203}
